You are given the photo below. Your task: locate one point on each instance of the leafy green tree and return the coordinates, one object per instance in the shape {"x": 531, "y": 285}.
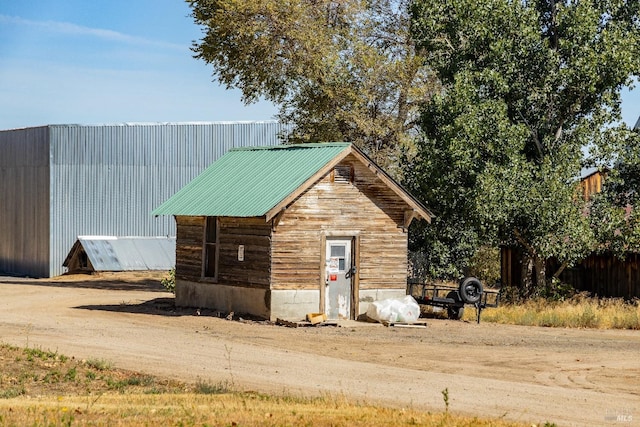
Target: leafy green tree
{"x": 529, "y": 85}
{"x": 615, "y": 212}
{"x": 338, "y": 70}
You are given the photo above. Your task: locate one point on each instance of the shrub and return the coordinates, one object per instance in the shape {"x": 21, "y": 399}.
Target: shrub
{"x": 99, "y": 364}
{"x": 485, "y": 265}
{"x": 169, "y": 281}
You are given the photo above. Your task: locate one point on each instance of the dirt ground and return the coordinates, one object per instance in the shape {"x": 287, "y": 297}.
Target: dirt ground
{"x": 529, "y": 374}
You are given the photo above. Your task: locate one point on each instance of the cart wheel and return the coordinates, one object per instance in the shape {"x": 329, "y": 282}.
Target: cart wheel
{"x": 455, "y": 312}
{"x": 470, "y": 290}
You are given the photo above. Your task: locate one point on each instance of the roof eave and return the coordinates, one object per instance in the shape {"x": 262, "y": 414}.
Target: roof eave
{"x": 420, "y": 210}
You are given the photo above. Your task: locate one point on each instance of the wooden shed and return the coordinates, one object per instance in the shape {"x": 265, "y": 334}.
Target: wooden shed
{"x": 279, "y": 232}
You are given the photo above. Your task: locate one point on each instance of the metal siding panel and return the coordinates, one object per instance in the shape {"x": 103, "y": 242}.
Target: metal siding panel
{"x": 24, "y": 211}
{"x": 168, "y": 248}
{"x": 127, "y": 255}
{"x": 106, "y": 179}
{"x": 153, "y": 253}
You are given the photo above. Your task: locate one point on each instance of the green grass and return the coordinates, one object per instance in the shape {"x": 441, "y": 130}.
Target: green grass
{"x": 208, "y": 387}
{"x": 99, "y": 364}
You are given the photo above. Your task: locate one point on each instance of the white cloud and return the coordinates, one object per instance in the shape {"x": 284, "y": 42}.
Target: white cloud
{"x": 100, "y": 33}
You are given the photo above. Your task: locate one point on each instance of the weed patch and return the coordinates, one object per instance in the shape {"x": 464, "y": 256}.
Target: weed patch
{"x": 576, "y": 312}
{"x": 207, "y": 387}
{"x": 99, "y": 364}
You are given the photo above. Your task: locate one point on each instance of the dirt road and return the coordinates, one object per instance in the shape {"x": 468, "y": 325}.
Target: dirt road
{"x": 566, "y": 376}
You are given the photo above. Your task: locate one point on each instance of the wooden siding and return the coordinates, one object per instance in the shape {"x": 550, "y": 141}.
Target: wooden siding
{"x": 591, "y": 185}
{"x": 603, "y": 275}
{"x": 255, "y": 235}
{"x": 510, "y": 267}
{"x": 366, "y": 208}
{"x": 606, "y": 275}
{"x": 189, "y": 241}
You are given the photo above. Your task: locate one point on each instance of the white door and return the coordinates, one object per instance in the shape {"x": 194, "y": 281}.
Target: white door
{"x": 339, "y": 271}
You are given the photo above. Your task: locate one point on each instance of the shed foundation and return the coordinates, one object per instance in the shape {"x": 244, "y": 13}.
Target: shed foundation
{"x": 221, "y": 297}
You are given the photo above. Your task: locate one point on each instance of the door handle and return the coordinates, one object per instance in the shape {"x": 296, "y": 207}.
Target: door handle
{"x": 352, "y": 272}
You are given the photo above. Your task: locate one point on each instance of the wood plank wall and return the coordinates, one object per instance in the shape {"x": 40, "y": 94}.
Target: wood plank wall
{"x": 591, "y": 185}
{"x": 189, "y": 241}
{"x": 604, "y": 275}
{"x": 607, "y": 276}
{"x": 366, "y": 207}
{"x": 255, "y": 235}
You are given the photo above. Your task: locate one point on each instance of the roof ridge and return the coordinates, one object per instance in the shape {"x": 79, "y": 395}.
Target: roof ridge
{"x": 294, "y": 146}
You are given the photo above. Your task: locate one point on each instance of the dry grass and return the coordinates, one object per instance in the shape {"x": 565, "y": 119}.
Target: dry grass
{"x": 577, "y": 312}
{"x": 43, "y": 388}
{"x": 235, "y": 409}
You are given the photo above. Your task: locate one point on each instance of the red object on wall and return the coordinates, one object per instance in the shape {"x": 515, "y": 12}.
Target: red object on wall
{"x": 333, "y": 277}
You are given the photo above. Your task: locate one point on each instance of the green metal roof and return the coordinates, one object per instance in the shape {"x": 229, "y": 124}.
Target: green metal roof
{"x": 249, "y": 182}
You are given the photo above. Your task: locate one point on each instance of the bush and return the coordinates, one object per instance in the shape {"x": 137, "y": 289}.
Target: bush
{"x": 553, "y": 291}
{"x": 169, "y": 281}
{"x": 485, "y": 265}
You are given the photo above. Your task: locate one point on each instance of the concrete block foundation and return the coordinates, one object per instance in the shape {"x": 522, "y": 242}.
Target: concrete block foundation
{"x": 224, "y": 298}
{"x": 267, "y": 304}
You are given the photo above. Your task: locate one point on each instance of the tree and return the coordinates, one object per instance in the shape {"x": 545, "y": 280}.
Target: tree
{"x": 615, "y": 212}
{"x": 529, "y": 85}
{"x": 338, "y": 70}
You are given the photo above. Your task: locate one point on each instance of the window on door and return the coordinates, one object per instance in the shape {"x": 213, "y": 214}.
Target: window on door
{"x": 339, "y": 252}
{"x": 210, "y": 261}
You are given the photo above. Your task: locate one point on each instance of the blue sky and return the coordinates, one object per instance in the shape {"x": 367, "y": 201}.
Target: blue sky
{"x": 108, "y": 61}
{"x": 112, "y": 61}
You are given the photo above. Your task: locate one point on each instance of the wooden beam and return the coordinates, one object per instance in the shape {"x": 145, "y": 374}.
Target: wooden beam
{"x": 276, "y": 219}
{"x": 409, "y": 215}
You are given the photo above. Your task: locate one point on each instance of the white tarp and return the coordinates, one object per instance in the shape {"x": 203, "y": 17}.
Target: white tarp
{"x": 392, "y": 310}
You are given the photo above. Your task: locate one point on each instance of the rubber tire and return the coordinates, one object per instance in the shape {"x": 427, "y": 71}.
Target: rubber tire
{"x": 470, "y": 290}
{"x": 456, "y": 311}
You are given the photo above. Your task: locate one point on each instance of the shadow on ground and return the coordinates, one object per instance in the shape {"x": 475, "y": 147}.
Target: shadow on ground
{"x": 114, "y": 282}
{"x": 157, "y": 306}
{"x": 167, "y": 307}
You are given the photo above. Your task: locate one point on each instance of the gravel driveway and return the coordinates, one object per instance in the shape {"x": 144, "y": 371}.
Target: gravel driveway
{"x": 529, "y": 374}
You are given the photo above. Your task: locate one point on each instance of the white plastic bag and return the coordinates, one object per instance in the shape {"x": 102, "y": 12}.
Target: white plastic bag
{"x": 409, "y": 310}
{"x": 392, "y": 310}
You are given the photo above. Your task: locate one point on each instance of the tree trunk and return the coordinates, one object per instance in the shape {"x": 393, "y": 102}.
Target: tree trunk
{"x": 526, "y": 274}
{"x": 541, "y": 274}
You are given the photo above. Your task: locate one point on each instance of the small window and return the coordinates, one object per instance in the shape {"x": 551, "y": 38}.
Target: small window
{"x": 339, "y": 252}
{"x": 210, "y": 261}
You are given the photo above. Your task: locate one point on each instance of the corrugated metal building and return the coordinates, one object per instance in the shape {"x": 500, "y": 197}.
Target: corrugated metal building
{"x": 58, "y": 182}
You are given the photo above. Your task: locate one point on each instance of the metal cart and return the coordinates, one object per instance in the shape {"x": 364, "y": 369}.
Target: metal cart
{"x": 453, "y": 299}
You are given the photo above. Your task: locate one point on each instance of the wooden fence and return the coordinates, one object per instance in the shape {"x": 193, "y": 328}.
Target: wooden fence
{"x": 603, "y": 275}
